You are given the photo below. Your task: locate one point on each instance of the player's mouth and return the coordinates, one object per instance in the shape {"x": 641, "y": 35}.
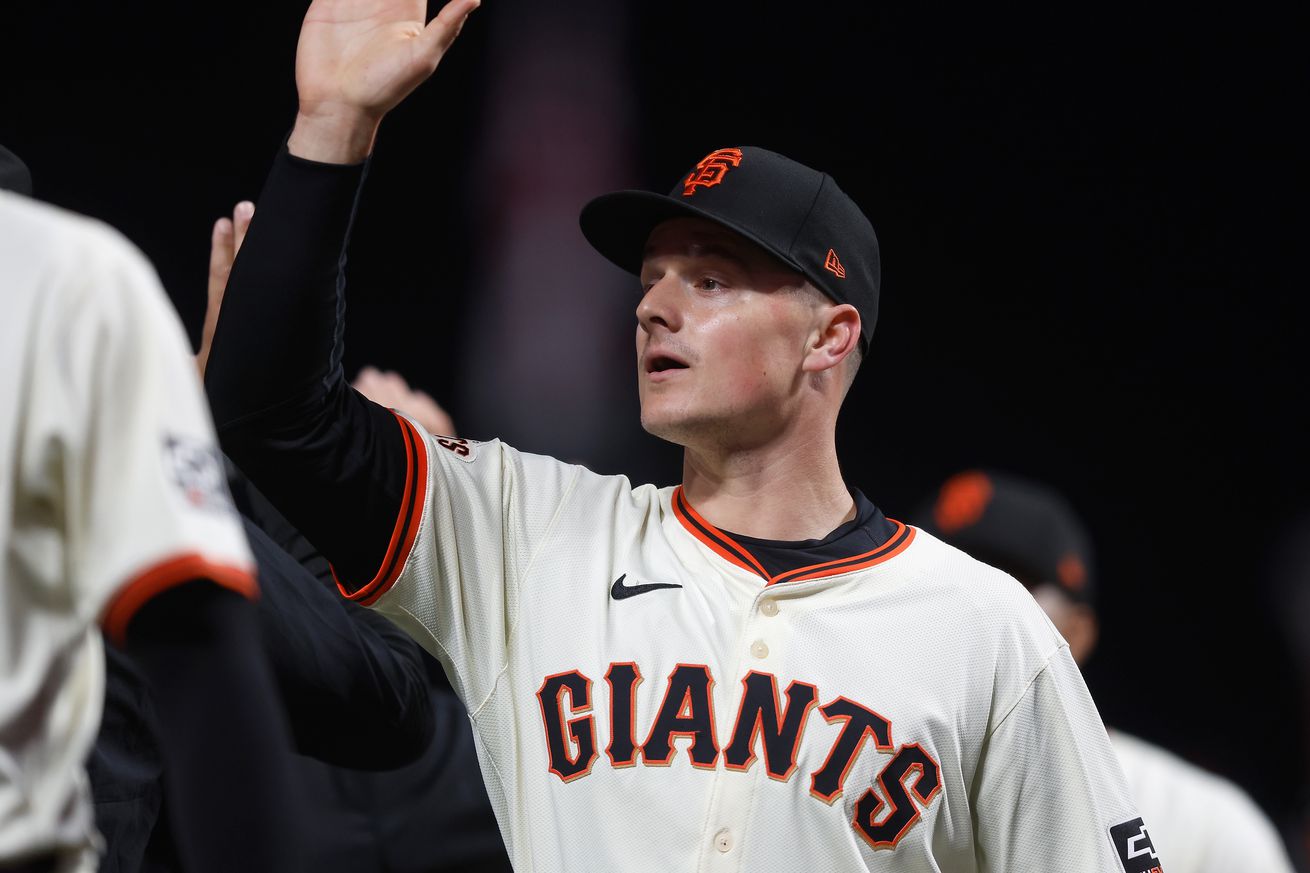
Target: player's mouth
{"x": 661, "y": 365}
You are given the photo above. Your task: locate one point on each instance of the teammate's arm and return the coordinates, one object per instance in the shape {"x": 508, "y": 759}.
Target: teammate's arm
{"x": 337, "y": 465}
{"x": 227, "y": 780}
{"x": 354, "y": 686}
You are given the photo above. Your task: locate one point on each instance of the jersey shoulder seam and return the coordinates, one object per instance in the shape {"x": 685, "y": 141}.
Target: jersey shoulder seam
{"x": 517, "y": 582}
{"x": 1032, "y": 680}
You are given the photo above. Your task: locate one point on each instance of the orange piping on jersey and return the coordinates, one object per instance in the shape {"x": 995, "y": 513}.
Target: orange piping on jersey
{"x": 407, "y": 520}
{"x": 734, "y": 552}
{"x": 725, "y": 546}
{"x": 167, "y": 574}
{"x": 898, "y": 543}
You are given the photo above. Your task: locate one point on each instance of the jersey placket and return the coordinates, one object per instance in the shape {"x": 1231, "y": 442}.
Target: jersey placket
{"x": 735, "y": 794}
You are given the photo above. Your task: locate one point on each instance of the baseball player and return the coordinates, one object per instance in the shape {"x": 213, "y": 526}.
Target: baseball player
{"x": 753, "y": 671}
{"x": 114, "y": 517}
{"x": 1202, "y": 822}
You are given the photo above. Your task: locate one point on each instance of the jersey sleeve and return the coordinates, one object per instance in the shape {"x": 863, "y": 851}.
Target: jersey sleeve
{"x": 130, "y": 446}
{"x": 468, "y": 533}
{"x": 1050, "y": 794}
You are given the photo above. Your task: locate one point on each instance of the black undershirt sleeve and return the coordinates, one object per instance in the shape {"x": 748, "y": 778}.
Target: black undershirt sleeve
{"x": 229, "y": 787}
{"x": 333, "y": 462}
{"x": 354, "y": 685}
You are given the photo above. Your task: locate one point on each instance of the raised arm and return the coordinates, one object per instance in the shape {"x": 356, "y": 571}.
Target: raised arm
{"x": 338, "y": 466}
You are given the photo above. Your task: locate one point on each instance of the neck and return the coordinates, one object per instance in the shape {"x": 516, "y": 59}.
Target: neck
{"x": 788, "y": 490}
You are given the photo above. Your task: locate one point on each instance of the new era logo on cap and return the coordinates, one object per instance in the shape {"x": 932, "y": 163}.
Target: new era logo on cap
{"x": 833, "y": 265}
{"x": 793, "y": 212}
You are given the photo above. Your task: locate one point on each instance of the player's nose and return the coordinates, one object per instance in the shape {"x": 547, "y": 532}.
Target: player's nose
{"x": 659, "y": 305}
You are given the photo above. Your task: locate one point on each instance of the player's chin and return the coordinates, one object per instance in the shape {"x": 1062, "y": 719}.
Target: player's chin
{"x": 666, "y": 420}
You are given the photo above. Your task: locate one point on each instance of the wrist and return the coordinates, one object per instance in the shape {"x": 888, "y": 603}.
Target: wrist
{"x": 332, "y": 135}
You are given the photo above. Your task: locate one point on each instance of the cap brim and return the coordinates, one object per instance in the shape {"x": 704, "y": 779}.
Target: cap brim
{"x": 617, "y": 225}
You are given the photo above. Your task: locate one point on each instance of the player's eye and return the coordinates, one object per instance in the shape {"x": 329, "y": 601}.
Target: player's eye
{"x": 709, "y": 284}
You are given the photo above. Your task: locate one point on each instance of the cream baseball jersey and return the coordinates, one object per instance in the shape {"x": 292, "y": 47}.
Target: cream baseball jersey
{"x": 647, "y": 696}
{"x": 112, "y": 490}
{"x": 1200, "y": 821}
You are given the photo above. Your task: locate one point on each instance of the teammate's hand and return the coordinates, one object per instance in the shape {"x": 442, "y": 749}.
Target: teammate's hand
{"x": 224, "y": 242}
{"x": 355, "y": 61}
{"x": 390, "y": 389}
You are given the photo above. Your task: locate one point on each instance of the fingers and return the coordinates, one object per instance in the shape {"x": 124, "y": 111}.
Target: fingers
{"x": 441, "y": 31}
{"x": 430, "y": 415}
{"x": 221, "y": 251}
{"x": 224, "y": 241}
{"x": 388, "y": 388}
{"x": 241, "y": 215}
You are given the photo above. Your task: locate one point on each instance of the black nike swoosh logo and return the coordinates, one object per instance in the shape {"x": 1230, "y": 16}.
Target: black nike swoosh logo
{"x": 619, "y": 591}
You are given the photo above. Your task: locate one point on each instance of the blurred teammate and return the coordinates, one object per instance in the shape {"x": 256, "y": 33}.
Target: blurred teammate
{"x": 1199, "y": 821}
{"x": 114, "y": 515}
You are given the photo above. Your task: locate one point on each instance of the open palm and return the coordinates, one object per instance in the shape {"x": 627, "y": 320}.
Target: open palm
{"x": 365, "y": 56}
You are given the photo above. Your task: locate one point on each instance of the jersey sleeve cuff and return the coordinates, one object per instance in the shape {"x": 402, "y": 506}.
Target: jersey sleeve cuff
{"x": 167, "y": 574}
{"x": 407, "y": 520}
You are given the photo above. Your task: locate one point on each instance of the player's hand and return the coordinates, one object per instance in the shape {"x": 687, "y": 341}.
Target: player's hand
{"x": 224, "y": 242}
{"x": 391, "y": 390}
{"x": 355, "y": 61}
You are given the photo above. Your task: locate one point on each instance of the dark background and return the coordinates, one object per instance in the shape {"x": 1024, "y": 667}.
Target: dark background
{"x": 1086, "y": 221}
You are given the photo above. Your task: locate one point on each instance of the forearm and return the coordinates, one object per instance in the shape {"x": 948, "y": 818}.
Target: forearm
{"x": 354, "y": 685}
{"x": 228, "y": 783}
{"x": 330, "y": 461}
{"x": 278, "y": 336}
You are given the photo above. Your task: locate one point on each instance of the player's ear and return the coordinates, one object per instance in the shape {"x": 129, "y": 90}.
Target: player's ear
{"x": 836, "y": 335}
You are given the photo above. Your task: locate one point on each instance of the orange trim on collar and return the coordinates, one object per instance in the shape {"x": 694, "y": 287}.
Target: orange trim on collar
{"x": 735, "y": 553}
{"x": 719, "y": 542}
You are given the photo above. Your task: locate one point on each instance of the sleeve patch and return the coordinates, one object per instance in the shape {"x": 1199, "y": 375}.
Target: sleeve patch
{"x": 465, "y": 450}
{"x": 195, "y": 468}
{"x": 1133, "y": 844}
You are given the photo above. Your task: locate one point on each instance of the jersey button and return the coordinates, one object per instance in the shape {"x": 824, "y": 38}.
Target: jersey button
{"x": 723, "y": 840}
{"x": 759, "y": 650}
{"x": 769, "y": 608}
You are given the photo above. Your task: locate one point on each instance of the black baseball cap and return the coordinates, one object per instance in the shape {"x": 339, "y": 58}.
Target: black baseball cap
{"x": 14, "y": 175}
{"x": 1018, "y": 525}
{"x": 795, "y": 213}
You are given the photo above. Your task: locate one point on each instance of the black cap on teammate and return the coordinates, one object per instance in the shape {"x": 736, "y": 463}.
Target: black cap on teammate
{"x": 1017, "y": 525}
{"x": 797, "y": 214}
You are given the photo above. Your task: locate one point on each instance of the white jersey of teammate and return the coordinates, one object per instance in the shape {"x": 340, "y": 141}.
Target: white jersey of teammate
{"x": 643, "y": 701}
{"x": 1200, "y": 821}
{"x": 111, "y": 491}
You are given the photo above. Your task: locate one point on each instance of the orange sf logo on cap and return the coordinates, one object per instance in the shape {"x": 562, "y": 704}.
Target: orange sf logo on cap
{"x": 711, "y": 170}
{"x": 962, "y": 501}
{"x": 1073, "y": 573}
